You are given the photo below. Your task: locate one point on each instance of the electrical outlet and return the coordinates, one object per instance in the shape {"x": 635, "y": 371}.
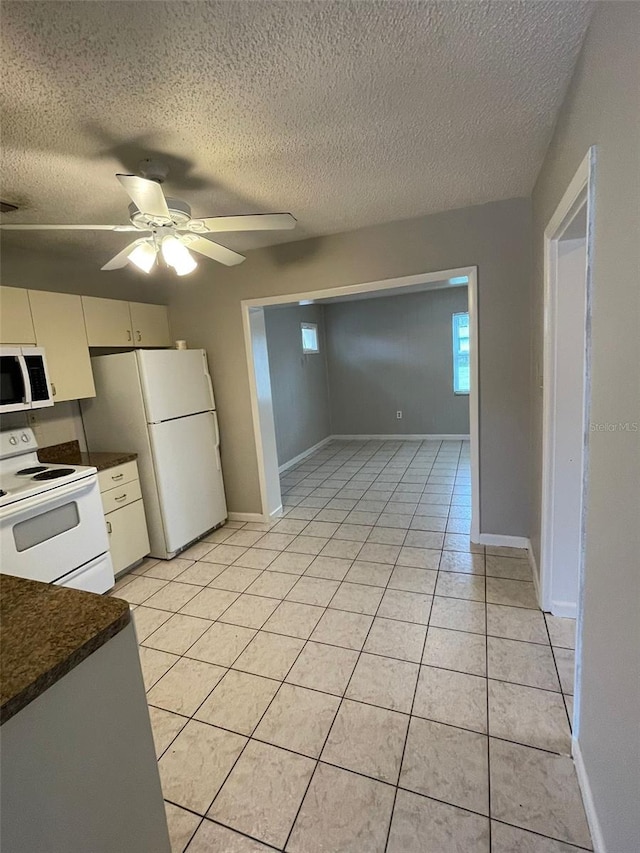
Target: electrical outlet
{"x": 399, "y": 415}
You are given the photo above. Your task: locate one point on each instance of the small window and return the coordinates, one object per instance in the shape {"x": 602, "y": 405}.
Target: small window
{"x": 309, "y": 337}
{"x": 460, "y": 353}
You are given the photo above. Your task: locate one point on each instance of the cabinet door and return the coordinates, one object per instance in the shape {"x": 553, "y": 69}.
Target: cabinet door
{"x": 150, "y": 325}
{"x": 59, "y": 325}
{"x": 107, "y": 321}
{"x": 16, "y": 325}
{"x": 128, "y": 538}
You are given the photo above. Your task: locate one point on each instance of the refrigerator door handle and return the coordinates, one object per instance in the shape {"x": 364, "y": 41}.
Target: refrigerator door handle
{"x": 215, "y": 425}
{"x": 210, "y": 384}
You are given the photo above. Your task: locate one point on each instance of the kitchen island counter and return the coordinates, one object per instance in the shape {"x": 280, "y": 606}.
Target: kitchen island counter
{"x": 77, "y": 745}
{"x": 48, "y": 630}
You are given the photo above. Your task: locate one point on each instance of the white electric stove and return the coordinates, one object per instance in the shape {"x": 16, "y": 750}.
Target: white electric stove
{"x": 52, "y": 526}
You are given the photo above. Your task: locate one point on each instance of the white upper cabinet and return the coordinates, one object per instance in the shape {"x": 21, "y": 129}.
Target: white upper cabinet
{"x": 59, "y": 326}
{"x": 150, "y": 325}
{"x": 115, "y": 323}
{"x": 108, "y": 322}
{"x": 16, "y": 325}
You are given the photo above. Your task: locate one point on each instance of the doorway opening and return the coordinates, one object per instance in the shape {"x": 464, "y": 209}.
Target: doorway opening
{"x": 253, "y": 312}
{"x": 566, "y": 399}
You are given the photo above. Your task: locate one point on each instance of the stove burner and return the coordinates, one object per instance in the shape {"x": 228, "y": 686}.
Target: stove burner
{"x": 34, "y": 470}
{"x": 2, "y": 493}
{"x": 53, "y": 473}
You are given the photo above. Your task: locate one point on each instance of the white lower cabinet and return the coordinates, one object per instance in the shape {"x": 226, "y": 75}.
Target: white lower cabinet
{"x": 124, "y": 516}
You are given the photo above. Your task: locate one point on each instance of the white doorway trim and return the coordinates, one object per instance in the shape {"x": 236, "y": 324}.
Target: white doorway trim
{"x": 439, "y": 279}
{"x": 578, "y": 194}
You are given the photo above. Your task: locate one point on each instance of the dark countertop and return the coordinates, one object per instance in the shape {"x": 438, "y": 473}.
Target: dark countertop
{"x": 46, "y": 631}
{"x": 69, "y": 453}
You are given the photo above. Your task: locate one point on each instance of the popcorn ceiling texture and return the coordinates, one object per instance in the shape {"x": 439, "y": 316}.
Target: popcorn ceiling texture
{"x": 345, "y": 113}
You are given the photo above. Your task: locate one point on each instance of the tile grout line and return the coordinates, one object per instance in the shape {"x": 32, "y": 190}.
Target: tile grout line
{"x": 342, "y": 698}
{"x": 413, "y": 700}
{"x": 486, "y": 646}
{"x": 249, "y": 738}
{"x": 262, "y": 571}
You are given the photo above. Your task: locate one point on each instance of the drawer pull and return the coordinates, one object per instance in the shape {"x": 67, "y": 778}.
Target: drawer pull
{"x": 128, "y": 334}
{"x": 109, "y": 528}
{"x": 121, "y": 497}
{"x": 117, "y": 476}
{"x": 138, "y": 334}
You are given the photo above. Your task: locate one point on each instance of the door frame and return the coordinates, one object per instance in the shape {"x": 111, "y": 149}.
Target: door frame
{"x": 439, "y": 279}
{"x": 579, "y": 192}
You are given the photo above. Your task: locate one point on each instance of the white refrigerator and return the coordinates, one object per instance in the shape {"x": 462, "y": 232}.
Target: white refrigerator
{"x": 160, "y": 405}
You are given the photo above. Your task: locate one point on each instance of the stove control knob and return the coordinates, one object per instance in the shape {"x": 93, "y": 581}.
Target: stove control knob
{"x": 25, "y": 438}
{"x": 13, "y": 440}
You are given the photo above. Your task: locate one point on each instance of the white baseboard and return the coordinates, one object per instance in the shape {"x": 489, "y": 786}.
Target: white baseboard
{"x": 402, "y": 437}
{"x": 587, "y": 799}
{"x": 501, "y": 541}
{"x": 246, "y": 516}
{"x": 565, "y": 608}
{"x": 255, "y": 516}
{"x": 534, "y": 571}
{"x": 286, "y": 465}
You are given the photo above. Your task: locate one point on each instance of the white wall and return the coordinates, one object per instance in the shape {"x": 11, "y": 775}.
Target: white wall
{"x": 602, "y": 109}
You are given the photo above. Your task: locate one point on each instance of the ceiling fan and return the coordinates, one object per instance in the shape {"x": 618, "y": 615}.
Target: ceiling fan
{"x": 167, "y": 226}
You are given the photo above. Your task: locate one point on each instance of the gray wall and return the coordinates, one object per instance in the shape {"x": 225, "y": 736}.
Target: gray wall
{"x": 395, "y": 353}
{"x": 205, "y": 309}
{"x": 298, "y": 381}
{"x": 77, "y": 271}
{"x": 602, "y": 109}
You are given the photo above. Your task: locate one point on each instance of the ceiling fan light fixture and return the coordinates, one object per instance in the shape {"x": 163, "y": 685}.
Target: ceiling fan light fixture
{"x": 143, "y": 257}
{"x": 178, "y": 256}
{"x": 187, "y": 264}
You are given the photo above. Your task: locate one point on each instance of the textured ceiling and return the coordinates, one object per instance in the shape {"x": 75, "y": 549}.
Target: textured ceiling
{"x": 345, "y": 113}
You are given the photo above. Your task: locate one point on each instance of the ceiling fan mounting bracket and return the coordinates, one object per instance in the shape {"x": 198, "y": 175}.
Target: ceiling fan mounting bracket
{"x": 179, "y": 213}
{"x": 153, "y": 170}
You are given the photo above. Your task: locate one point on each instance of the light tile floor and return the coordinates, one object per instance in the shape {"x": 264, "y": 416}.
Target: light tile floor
{"x": 357, "y": 677}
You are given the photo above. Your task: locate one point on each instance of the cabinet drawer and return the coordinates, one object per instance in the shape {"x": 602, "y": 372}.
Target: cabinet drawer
{"x": 111, "y": 478}
{"x": 121, "y": 496}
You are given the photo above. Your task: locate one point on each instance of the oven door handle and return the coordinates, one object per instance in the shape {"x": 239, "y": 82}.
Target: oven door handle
{"x": 26, "y": 506}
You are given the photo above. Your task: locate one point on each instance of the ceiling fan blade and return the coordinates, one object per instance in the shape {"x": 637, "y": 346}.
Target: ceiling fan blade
{"x": 13, "y": 227}
{"x": 146, "y": 195}
{"x": 212, "y": 250}
{"x": 249, "y": 222}
{"x": 120, "y": 260}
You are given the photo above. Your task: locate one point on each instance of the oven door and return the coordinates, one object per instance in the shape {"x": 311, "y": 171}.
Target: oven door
{"x": 51, "y": 534}
{"x": 15, "y": 387}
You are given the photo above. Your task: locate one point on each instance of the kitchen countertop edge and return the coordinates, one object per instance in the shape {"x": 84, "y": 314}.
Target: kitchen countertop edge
{"x": 94, "y": 626}
{"x": 69, "y": 453}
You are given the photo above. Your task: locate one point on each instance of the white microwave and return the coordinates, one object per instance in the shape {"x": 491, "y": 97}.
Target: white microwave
{"x": 24, "y": 379}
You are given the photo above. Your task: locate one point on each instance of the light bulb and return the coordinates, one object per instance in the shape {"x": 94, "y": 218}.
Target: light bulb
{"x": 178, "y": 256}
{"x": 186, "y": 264}
{"x": 143, "y": 256}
